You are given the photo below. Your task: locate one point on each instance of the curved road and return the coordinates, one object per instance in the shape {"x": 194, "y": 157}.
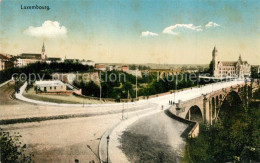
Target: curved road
{"x": 144, "y": 136}
{"x": 158, "y": 129}
{"x": 16, "y": 109}
{"x": 60, "y": 140}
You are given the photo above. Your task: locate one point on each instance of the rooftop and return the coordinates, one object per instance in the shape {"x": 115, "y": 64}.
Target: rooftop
{"x": 49, "y": 83}
{"x": 2, "y": 56}
{"x": 30, "y": 56}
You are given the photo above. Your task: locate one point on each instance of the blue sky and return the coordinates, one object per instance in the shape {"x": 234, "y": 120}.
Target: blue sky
{"x": 110, "y": 31}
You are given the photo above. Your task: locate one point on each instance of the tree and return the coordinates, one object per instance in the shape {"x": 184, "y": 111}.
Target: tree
{"x": 91, "y": 89}
{"x": 210, "y": 70}
{"x": 11, "y": 149}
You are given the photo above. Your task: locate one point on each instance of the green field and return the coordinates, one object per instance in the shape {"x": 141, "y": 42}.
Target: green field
{"x": 68, "y": 99}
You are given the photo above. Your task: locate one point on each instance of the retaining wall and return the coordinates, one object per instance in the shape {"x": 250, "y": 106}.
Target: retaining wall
{"x": 194, "y": 132}
{"x": 4, "y": 83}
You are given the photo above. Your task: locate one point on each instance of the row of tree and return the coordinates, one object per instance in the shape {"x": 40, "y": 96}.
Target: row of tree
{"x": 148, "y": 84}
{"x": 42, "y": 69}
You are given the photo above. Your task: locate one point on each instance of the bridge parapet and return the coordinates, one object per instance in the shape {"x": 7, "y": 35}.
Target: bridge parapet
{"x": 193, "y": 126}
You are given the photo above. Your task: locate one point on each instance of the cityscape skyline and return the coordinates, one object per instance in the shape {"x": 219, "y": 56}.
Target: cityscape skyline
{"x": 129, "y": 81}
{"x": 134, "y": 32}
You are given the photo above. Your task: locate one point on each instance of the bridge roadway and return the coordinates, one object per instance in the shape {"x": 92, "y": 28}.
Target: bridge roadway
{"x": 192, "y": 93}
{"x": 64, "y": 140}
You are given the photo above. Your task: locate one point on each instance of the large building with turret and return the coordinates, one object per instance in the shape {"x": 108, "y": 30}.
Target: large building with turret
{"x": 27, "y": 58}
{"x": 223, "y": 69}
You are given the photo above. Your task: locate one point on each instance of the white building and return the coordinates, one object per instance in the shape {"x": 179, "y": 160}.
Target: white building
{"x": 137, "y": 73}
{"x": 51, "y": 86}
{"x": 22, "y": 61}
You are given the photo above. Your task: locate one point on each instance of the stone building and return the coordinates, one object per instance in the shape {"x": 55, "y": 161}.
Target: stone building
{"x": 237, "y": 69}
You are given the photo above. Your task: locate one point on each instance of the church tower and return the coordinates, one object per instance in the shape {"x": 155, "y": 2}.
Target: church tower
{"x": 240, "y": 58}
{"x": 215, "y": 61}
{"x": 43, "y": 56}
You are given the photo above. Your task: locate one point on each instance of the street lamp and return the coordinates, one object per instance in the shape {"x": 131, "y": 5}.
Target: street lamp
{"x": 123, "y": 111}
{"x": 175, "y": 87}
{"x": 107, "y": 146}
{"x": 100, "y": 91}
{"x": 93, "y": 153}
{"x": 136, "y": 84}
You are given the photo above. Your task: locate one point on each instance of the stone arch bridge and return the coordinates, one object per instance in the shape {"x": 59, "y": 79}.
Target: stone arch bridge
{"x": 206, "y": 108}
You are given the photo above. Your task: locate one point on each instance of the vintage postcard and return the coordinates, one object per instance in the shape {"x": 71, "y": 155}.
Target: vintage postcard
{"x": 115, "y": 81}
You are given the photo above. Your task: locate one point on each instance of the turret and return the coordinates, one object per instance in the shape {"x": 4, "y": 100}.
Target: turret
{"x": 240, "y": 59}
{"x": 214, "y": 54}
{"x": 215, "y": 60}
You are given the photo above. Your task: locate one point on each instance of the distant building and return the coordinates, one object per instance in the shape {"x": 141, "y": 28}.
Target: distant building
{"x": 110, "y": 68}
{"x": 100, "y": 67}
{"x": 26, "y": 58}
{"x": 117, "y": 68}
{"x": 137, "y": 73}
{"x": 30, "y": 56}
{"x": 53, "y": 60}
{"x": 229, "y": 69}
{"x": 5, "y": 62}
{"x": 89, "y": 63}
{"x": 71, "y": 60}
{"x": 125, "y": 68}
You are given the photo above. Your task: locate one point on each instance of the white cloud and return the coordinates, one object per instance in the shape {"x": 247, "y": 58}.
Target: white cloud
{"x": 170, "y": 29}
{"x": 49, "y": 29}
{"x": 147, "y": 33}
{"x": 211, "y": 24}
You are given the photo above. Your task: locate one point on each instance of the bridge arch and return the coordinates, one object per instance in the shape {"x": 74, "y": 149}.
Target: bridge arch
{"x": 194, "y": 114}
{"x": 220, "y": 97}
{"x": 232, "y": 98}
